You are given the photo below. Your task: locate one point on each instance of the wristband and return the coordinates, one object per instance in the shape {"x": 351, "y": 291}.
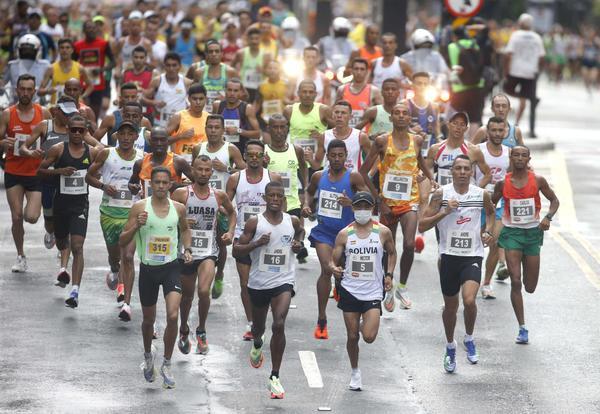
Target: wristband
{"x": 389, "y": 274}
{"x": 548, "y": 217}
{"x": 187, "y": 249}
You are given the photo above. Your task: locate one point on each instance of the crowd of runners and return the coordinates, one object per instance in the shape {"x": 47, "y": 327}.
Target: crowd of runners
{"x": 225, "y": 148}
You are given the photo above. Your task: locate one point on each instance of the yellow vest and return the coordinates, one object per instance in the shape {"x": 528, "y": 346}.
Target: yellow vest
{"x": 59, "y": 78}
{"x": 184, "y": 147}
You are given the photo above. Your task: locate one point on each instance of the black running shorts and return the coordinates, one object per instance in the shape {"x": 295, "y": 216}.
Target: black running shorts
{"x": 72, "y": 222}
{"x": 191, "y": 269}
{"x": 29, "y": 183}
{"x": 262, "y": 297}
{"x": 349, "y": 303}
{"x": 152, "y": 277}
{"x": 456, "y": 270}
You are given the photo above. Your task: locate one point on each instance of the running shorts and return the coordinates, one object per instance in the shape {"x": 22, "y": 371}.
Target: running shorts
{"x": 29, "y": 183}
{"x": 262, "y": 297}
{"x": 526, "y": 87}
{"x": 152, "y": 277}
{"x": 397, "y": 212}
{"x": 70, "y": 222}
{"x": 243, "y": 260}
{"x": 191, "y": 269}
{"x": 456, "y": 270}
{"x": 111, "y": 228}
{"x": 528, "y": 241}
{"x": 319, "y": 235}
{"x": 349, "y": 303}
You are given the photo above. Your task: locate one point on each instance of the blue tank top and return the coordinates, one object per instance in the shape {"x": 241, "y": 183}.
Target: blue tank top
{"x": 111, "y": 139}
{"x": 511, "y": 139}
{"x": 328, "y": 208}
{"x": 185, "y": 50}
{"x": 426, "y": 118}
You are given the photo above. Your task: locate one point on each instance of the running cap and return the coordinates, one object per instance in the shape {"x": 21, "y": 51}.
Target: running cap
{"x": 136, "y": 15}
{"x": 462, "y": 114}
{"x": 363, "y": 196}
{"x": 265, "y": 10}
{"x": 150, "y": 13}
{"x": 98, "y": 18}
{"x": 127, "y": 124}
{"x": 68, "y": 107}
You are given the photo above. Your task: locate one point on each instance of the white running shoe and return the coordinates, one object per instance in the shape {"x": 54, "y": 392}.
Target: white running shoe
{"x": 402, "y": 296}
{"x": 148, "y": 366}
{"x": 20, "y": 266}
{"x": 389, "y": 303}
{"x": 487, "y": 292}
{"x": 49, "y": 240}
{"x": 355, "y": 381}
{"x": 332, "y": 291}
{"x": 168, "y": 379}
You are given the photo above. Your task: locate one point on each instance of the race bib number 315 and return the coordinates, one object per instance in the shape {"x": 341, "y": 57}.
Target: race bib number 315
{"x": 158, "y": 248}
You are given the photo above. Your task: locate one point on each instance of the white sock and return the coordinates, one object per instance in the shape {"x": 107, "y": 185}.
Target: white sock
{"x": 522, "y": 326}
{"x": 468, "y": 338}
{"x": 355, "y": 371}
{"x": 451, "y": 345}
{"x": 75, "y": 288}
{"x": 167, "y": 362}
{"x": 62, "y": 269}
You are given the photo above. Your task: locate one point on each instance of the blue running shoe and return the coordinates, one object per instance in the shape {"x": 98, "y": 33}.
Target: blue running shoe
{"x": 472, "y": 355}
{"x": 73, "y": 300}
{"x": 523, "y": 336}
{"x": 450, "y": 360}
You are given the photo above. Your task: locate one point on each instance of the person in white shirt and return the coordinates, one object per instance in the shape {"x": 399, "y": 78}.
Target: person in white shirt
{"x": 159, "y": 48}
{"x": 524, "y": 58}
{"x": 52, "y": 27}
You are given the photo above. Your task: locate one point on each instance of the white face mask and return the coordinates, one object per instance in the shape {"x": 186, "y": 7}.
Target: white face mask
{"x": 362, "y": 216}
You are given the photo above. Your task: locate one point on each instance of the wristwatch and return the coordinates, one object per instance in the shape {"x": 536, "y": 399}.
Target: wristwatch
{"x": 187, "y": 249}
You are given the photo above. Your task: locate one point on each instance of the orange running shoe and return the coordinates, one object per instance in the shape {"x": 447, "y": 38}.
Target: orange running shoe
{"x": 419, "y": 244}
{"x": 321, "y": 333}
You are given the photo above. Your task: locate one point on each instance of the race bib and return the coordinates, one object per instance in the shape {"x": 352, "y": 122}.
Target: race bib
{"x": 444, "y": 176}
{"x": 356, "y": 116}
{"x": 211, "y": 97}
{"x": 252, "y": 79}
{"x": 147, "y": 189}
{"x": 74, "y": 184}
{"x": 460, "y": 243}
{"x": 60, "y": 91}
{"x": 397, "y": 187}
{"x": 361, "y": 266}
{"x": 123, "y": 198}
{"x": 286, "y": 181}
{"x": 328, "y": 204}
{"x": 426, "y": 144}
{"x": 158, "y": 249}
{"x": 275, "y": 260}
{"x": 249, "y": 211}
{"x": 19, "y": 140}
{"x": 305, "y": 143}
{"x": 165, "y": 116}
{"x": 94, "y": 72}
{"x": 232, "y": 123}
{"x": 522, "y": 211}
{"x": 202, "y": 241}
{"x": 217, "y": 180}
{"x": 270, "y": 108}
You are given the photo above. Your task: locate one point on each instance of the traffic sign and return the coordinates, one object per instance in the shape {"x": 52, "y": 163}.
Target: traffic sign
{"x": 463, "y": 8}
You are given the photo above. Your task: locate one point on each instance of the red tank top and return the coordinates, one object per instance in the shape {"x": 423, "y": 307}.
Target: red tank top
{"x": 370, "y": 56}
{"x": 521, "y": 205}
{"x": 142, "y": 80}
{"x": 360, "y": 101}
{"x": 16, "y": 165}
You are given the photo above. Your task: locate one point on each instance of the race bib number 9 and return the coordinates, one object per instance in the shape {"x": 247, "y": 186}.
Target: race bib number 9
{"x": 274, "y": 260}
{"x": 361, "y": 266}
{"x": 522, "y": 211}
{"x": 73, "y": 184}
{"x": 201, "y": 242}
{"x": 460, "y": 243}
{"x": 158, "y": 249}
{"x": 329, "y": 205}
{"x": 397, "y": 187}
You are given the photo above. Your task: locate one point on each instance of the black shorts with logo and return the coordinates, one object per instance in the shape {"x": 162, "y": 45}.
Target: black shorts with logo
{"x": 262, "y": 297}
{"x": 456, "y": 270}
{"x": 152, "y": 277}
{"x": 349, "y": 303}
{"x": 29, "y": 183}
{"x": 70, "y": 221}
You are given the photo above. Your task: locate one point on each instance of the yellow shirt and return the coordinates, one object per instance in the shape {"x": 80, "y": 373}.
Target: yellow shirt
{"x": 184, "y": 147}
{"x": 273, "y": 96}
{"x": 59, "y": 78}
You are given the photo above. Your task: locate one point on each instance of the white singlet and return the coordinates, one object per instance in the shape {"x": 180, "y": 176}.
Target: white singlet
{"x": 381, "y": 73}
{"x": 218, "y": 179}
{"x": 498, "y": 165}
{"x": 175, "y": 97}
{"x": 116, "y": 172}
{"x": 204, "y": 230}
{"x": 249, "y": 199}
{"x": 354, "y": 159}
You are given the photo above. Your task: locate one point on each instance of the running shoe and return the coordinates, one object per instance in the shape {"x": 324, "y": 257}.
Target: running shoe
{"x": 49, "y": 240}
{"x": 63, "y": 278}
{"x": 148, "y": 366}
{"x": 402, "y": 296}
{"x": 165, "y": 373}
{"x": 487, "y": 292}
{"x": 154, "y": 331}
{"x": 20, "y": 266}
{"x": 217, "y": 289}
{"x": 332, "y": 292}
{"x": 120, "y": 293}
{"x": 523, "y": 337}
{"x": 450, "y": 360}
{"x": 419, "y": 243}
{"x": 112, "y": 280}
{"x": 355, "y": 380}
{"x": 201, "y": 343}
{"x": 302, "y": 255}
{"x": 73, "y": 299}
{"x": 277, "y": 391}
{"x": 256, "y": 355}
{"x": 184, "y": 342}
{"x": 472, "y": 354}
{"x": 389, "y": 303}
{"x": 321, "y": 332}
{"x": 248, "y": 333}
{"x": 502, "y": 272}
{"x": 125, "y": 313}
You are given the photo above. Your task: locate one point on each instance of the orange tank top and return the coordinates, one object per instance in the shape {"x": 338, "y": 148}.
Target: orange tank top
{"x": 184, "y": 147}
{"x": 398, "y": 176}
{"x": 370, "y": 56}
{"x": 146, "y": 170}
{"x": 20, "y": 130}
{"x": 521, "y": 205}
{"x": 359, "y": 102}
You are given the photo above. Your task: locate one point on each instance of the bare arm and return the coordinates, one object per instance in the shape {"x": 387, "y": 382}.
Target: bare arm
{"x": 367, "y": 118}
{"x": 134, "y": 222}
{"x": 184, "y": 228}
{"x": 479, "y": 136}
{"x": 376, "y": 149}
{"x": 335, "y": 264}
{"x": 434, "y": 213}
{"x": 478, "y": 158}
{"x": 550, "y": 196}
{"x": 254, "y": 132}
{"x": 107, "y": 123}
{"x": 236, "y": 156}
{"x": 245, "y": 245}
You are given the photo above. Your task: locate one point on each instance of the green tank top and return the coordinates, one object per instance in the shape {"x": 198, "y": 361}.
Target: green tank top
{"x": 453, "y": 56}
{"x": 286, "y": 164}
{"x": 157, "y": 240}
{"x": 249, "y": 72}
{"x": 382, "y": 122}
{"x": 302, "y": 125}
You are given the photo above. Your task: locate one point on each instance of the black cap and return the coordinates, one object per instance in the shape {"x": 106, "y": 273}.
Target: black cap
{"x": 462, "y": 114}
{"x": 363, "y": 196}
{"x": 127, "y": 124}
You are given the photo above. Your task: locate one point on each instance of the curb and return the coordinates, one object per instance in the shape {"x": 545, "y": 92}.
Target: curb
{"x": 538, "y": 145}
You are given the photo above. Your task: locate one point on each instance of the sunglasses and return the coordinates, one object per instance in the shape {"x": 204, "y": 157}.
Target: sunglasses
{"x": 255, "y": 154}
{"x": 76, "y": 130}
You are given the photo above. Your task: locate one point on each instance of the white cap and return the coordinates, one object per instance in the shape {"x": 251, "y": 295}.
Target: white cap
{"x": 136, "y": 15}
{"x": 148, "y": 14}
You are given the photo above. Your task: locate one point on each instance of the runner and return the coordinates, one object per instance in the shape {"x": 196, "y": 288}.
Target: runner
{"x": 400, "y": 161}
{"x": 360, "y": 266}
{"x": 140, "y": 73}
{"x": 523, "y": 232}
{"x": 501, "y": 109}
{"x": 110, "y": 123}
{"x": 183, "y": 42}
{"x": 20, "y": 173}
{"x": 497, "y": 158}
{"x": 213, "y": 75}
{"x": 311, "y": 58}
{"x": 272, "y": 93}
{"x": 370, "y": 51}
{"x": 251, "y": 62}
{"x": 114, "y": 166}
{"x": 167, "y": 92}
{"x": 269, "y": 239}
{"x": 70, "y": 161}
{"x": 378, "y": 117}
{"x": 74, "y": 90}
{"x": 456, "y": 209}
{"x": 288, "y": 161}
{"x": 389, "y": 65}
{"x": 203, "y": 204}
{"x": 125, "y": 45}
{"x": 132, "y": 112}
{"x": 248, "y": 188}
{"x": 333, "y": 189}
{"x": 357, "y": 142}
{"x": 224, "y": 156}
{"x": 157, "y": 223}
{"x": 186, "y": 128}
{"x": 359, "y": 92}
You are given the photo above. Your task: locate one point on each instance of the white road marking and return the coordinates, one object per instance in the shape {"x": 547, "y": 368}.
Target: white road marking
{"x": 311, "y": 369}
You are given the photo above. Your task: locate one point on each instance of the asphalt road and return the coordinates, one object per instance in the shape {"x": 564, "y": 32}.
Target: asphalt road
{"x": 56, "y": 359}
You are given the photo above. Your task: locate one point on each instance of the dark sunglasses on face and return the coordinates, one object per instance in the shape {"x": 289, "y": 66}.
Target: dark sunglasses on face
{"x": 76, "y": 130}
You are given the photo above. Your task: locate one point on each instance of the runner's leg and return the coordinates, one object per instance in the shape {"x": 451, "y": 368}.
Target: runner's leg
{"x": 188, "y": 287}
{"x": 206, "y": 274}
{"x": 148, "y": 318}
{"x": 352, "y": 321}
{"x": 408, "y": 223}
{"x": 77, "y": 251}
{"x": 324, "y": 252}
{"x": 15, "y": 196}
{"x": 127, "y": 270}
{"x": 280, "y": 305}
{"x": 244, "y": 273}
{"x": 172, "y": 301}
{"x": 513, "y": 262}
{"x": 370, "y": 324}
{"x": 531, "y": 272}
{"x": 449, "y": 316}
{"x": 469, "y": 297}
